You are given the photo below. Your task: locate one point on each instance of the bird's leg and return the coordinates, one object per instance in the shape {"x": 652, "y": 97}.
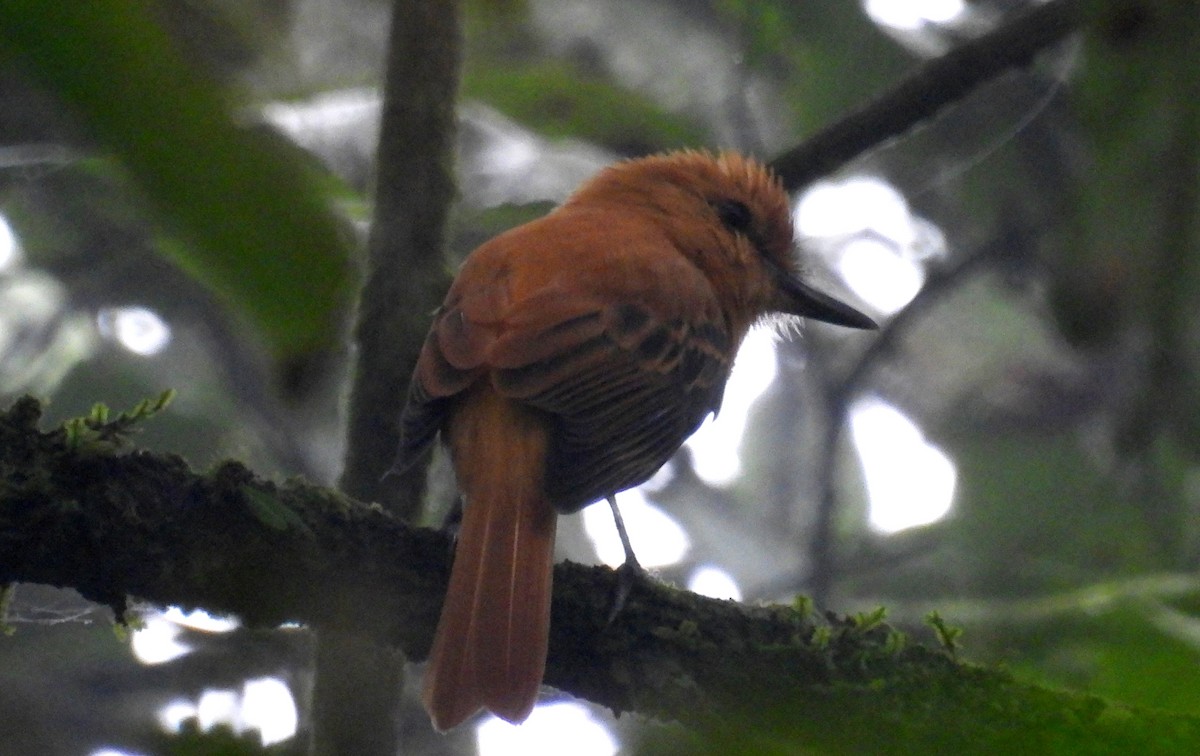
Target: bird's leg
{"x": 630, "y": 570}
{"x": 630, "y": 559}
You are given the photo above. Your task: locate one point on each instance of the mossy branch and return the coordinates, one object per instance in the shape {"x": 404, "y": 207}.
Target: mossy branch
{"x": 113, "y": 525}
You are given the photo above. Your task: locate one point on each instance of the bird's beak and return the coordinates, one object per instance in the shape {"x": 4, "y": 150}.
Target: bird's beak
{"x": 798, "y": 298}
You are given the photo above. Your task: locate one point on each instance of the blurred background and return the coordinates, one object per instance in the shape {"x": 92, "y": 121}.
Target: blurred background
{"x": 1015, "y": 448}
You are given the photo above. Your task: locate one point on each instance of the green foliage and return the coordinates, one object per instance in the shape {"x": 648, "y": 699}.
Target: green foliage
{"x": 827, "y": 57}
{"x": 870, "y": 620}
{"x": 95, "y": 431}
{"x": 254, "y": 224}
{"x": 822, "y": 636}
{"x": 803, "y": 606}
{"x": 559, "y": 101}
{"x": 947, "y": 635}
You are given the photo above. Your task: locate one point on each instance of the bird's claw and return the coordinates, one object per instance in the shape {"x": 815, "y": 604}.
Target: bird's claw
{"x": 629, "y": 574}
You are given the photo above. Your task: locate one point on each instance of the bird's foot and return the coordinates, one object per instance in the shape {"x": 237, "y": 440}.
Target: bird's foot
{"x": 630, "y": 571}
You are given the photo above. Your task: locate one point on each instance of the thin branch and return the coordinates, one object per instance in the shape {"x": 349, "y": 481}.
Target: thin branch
{"x": 932, "y": 87}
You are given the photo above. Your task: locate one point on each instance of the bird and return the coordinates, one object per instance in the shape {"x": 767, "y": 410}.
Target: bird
{"x": 571, "y": 358}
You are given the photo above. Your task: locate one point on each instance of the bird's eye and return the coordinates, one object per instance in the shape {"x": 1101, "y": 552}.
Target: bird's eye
{"x": 734, "y": 215}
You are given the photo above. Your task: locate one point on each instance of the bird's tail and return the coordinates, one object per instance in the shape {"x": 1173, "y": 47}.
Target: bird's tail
{"x": 490, "y": 647}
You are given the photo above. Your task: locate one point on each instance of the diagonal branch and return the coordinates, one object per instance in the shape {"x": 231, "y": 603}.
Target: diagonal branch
{"x": 932, "y": 87}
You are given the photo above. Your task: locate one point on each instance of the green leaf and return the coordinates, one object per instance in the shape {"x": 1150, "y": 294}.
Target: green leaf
{"x": 253, "y": 222}
{"x": 869, "y": 620}
{"x": 947, "y": 635}
{"x": 97, "y": 430}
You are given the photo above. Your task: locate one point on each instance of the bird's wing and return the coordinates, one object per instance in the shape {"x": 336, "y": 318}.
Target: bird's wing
{"x": 452, "y": 358}
{"x": 623, "y": 384}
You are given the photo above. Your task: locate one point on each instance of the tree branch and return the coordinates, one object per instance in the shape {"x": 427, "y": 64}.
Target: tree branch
{"x": 81, "y": 514}
{"x": 358, "y": 686}
{"x": 406, "y": 269}
{"x": 932, "y": 87}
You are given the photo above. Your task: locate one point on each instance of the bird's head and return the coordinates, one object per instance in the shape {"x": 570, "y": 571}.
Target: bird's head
{"x": 732, "y": 218}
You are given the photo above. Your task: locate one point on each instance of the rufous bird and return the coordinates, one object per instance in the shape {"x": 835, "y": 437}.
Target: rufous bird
{"x": 571, "y": 358}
